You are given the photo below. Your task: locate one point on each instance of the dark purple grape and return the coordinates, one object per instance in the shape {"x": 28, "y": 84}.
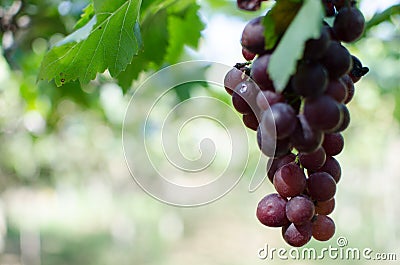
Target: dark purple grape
{"x": 250, "y": 120}
{"x": 233, "y": 78}
{"x": 323, "y": 228}
{"x": 259, "y": 73}
{"x": 276, "y": 163}
{"x": 300, "y": 210}
{"x": 350, "y": 88}
{"x": 337, "y": 90}
{"x": 332, "y": 167}
{"x": 304, "y": 138}
{"x": 244, "y": 97}
{"x": 253, "y": 36}
{"x": 266, "y": 98}
{"x": 329, "y": 8}
{"x": 247, "y": 55}
{"x": 289, "y": 180}
{"x": 270, "y": 146}
{"x": 339, "y": 3}
{"x": 313, "y": 161}
{"x": 297, "y": 235}
{"x": 315, "y": 48}
{"x": 349, "y": 24}
{"x": 322, "y": 113}
{"x": 337, "y": 60}
{"x": 310, "y": 79}
{"x": 345, "y": 120}
{"x": 321, "y": 186}
{"x": 333, "y": 143}
{"x": 249, "y": 5}
{"x": 279, "y": 119}
{"x": 271, "y": 211}
{"x": 325, "y": 207}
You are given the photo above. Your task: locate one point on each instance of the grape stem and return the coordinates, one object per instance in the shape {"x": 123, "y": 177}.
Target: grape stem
{"x": 301, "y": 110}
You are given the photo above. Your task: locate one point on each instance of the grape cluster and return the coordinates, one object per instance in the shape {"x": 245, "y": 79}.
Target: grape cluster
{"x": 299, "y": 129}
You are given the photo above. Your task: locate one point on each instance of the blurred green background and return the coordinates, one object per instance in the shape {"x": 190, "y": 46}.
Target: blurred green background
{"x": 66, "y": 195}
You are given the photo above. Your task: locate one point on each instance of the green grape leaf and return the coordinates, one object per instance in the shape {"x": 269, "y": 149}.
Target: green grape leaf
{"x": 109, "y": 40}
{"x": 88, "y": 13}
{"x": 278, "y": 19}
{"x": 183, "y": 29}
{"x": 166, "y": 26}
{"x": 306, "y": 25}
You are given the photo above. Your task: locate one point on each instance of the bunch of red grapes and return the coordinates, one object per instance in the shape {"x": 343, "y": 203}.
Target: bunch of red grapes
{"x": 299, "y": 129}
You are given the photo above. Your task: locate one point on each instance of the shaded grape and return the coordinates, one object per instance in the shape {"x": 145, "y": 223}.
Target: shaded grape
{"x": 233, "y": 78}
{"x": 345, "y": 122}
{"x": 349, "y": 24}
{"x": 332, "y": 167}
{"x": 279, "y": 119}
{"x": 337, "y": 60}
{"x": 297, "y": 235}
{"x": 321, "y": 186}
{"x": 322, "y": 113}
{"x": 270, "y": 146}
{"x": 259, "y": 73}
{"x": 253, "y": 36}
{"x": 250, "y": 120}
{"x": 315, "y": 48}
{"x": 267, "y": 98}
{"x": 333, "y": 143}
{"x": 289, "y": 180}
{"x": 310, "y": 79}
{"x": 247, "y": 55}
{"x": 323, "y": 228}
{"x": 244, "y": 97}
{"x": 313, "y": 160}
{"x": 276, "y": 163}
{"x": 337, "y": 90}
{"x": 325, "y": 207}
{"x": 304, "y": 138}
{"x": 350, "y": 88}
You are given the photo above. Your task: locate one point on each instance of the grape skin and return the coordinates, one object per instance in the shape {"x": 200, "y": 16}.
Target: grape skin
{"x": 332, "y": 167}
{"x": 304, "y": 138}
{"x": 253, "y": 36}
{"x": 337, "y": 90}
{"x": 310, "y": 79}
{"x": 300, "y": 210}
{"x": 321, "y": 186}
{"x": 250, "y": 121}
{"x": 289, "y": 180}
{"x": 337, "y": 60}
{"x": 333, "y": 144}
{"x": 279, "y": 119}
{"x": 277, "y": 163}
{"x": 270, "y": 146}
{"x": 313, "y": 161}
{"x": 323, "y": 228}
{"x": 297, "y": 235}
{"x": 325, "y": 207}
{"x": 349, "y": 24}
{"x": 322, "y": 113}
{"x": 271, "y": 211}
{"x": 244, "y": 97}
{"x": 259, "y": 73}
{"x": 233, "y": 78}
